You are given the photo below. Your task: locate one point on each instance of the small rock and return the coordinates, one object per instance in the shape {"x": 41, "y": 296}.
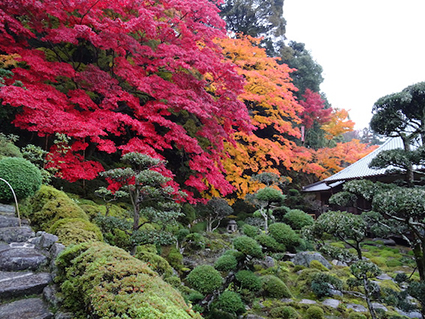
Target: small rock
{"x": 64, "y": 315}
{"x": 379, "y": 306}
{"x": 286, "y": 300}
{"x": 335, "y": 292}
{"x": 356, "y": 307}
{"x": 46, "y": 241}
{"x": 8, "y": 209}
{"x": 251, "y": 316}
{"x": 333, "y": 303}
{"x": 308, "y": 301}
{"x": 384, "y": 277}
{"x": 339, "y": 263}
{"x": 304, "y": 258}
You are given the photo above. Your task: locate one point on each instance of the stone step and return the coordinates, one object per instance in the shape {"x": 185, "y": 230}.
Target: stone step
{"x": 7, "y": 209}
{"x": 15, "y": 259}
{"x": 18, "y": 284}
{"x": 11, "y": 221}
{"x": 32, "y": 308}
{"x": 16, "y": 234}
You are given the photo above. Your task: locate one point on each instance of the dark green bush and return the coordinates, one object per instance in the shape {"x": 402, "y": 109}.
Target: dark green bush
{"x": 285, "y": 235}
{"x": 297, "y": 219}
{"x": 226, "y": 263}
{"x": 323, "y": 283}
{"x": 247, "y": 246}
{"x": 195, "y": 241}
{"x": 101, "y": 281}
{"x": 204, "y": 279}
{"x": 230, "y": 302}
{"x": 284, "y": 312}
{"x": 175, "y": 258}
{"x": 248, "y": 280}
{"x": 73, "y": 231}
{"x": 250, "y": 231}
{"x": 274, "y": 287}
{"x": 24, "y": 177}
{"x": 269, "y": 243}
{"x": 8, "y": 149}
{"x": 315, "y": 312}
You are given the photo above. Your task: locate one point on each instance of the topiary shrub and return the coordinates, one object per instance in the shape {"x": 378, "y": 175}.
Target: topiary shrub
{"x": 24, "y": 177}
{"x": 284, "y": 312}
{"x": 8, "y": 149}
{"x": 297, "y": 219}
{"x": 204, "y": 279}
{"x": 269, "y": 243}
{"x": 73, "y": 231}
{"x": 273, "y": 287}
{"x": 285, "y": 235}
{"x": 230, "y": 302}
{"x": 250, "y": 231}
{"x": 314, "y": 312}
{"x": 101, "y": 281}
{"x": 323, "y": 283}
{"x": 248, "y": 280}
{"x": 247, "y": 246}
{"x": 226, "y": 263}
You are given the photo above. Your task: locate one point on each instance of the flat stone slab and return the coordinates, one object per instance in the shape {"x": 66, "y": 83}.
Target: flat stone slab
{"x": 308, "y": 301}
{"x": 15, "y": 259}
{"x": 16, "y": 234}
{"x": 32, "y": 308}
{"x": 10, "y": 221}
{"x": 16, "y": 284}
{"x": 7, "y": 209}
{"x": 356, "y": 307}
{"x": 333, "y": 303}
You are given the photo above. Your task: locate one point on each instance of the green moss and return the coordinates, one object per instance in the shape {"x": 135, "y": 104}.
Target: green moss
{"x": 226, "y": 263}
{"x": 379, "y": 261}
{"x": 318, "y": 265}
{"x": 155, "y": 262}
{"x": 284, "y": 312}
{"x": 73, "y": 231}
{"x": 230, "y": 302}
{"x": 393, "y": 263}
{"x": 314, "y": 312}
{"x": 204, "y": 279}
{"x": 8, "y": 149}
{"x": 101, "y": 281}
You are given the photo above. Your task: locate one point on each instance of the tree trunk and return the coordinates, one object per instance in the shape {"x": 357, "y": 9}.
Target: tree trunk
{"x": 367, "y": 296}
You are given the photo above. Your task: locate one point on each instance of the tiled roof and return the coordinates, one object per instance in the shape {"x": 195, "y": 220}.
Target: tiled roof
{"x": 357, "y": 170}
{"x": 360, "y": 169}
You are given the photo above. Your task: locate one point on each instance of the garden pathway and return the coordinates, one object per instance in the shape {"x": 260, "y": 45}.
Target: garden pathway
{"x": 26, "y": 264}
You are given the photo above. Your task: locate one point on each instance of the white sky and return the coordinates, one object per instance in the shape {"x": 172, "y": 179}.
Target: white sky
{"x": 367, "y": 48}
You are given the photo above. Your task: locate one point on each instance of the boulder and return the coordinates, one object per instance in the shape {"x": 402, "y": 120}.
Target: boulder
{"x": 333, "y": 303}
{"x": 356, "y": 307}
{"x": 304, "y": 258}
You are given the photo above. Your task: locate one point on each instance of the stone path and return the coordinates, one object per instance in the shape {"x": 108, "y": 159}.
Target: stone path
{"x": 26, "y": 261}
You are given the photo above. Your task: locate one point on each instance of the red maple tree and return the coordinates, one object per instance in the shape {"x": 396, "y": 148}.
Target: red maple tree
{"x": 129, "y": 76}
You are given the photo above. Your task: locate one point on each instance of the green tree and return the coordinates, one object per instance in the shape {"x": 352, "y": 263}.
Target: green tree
{"x": 152, "y": 197}
{"x": 214, "y": 212}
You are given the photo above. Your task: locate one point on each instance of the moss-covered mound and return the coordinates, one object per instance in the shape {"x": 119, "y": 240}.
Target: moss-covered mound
{"x": 73, "y": 231}
{"x": 49, "y": 205}
{"x": 101, "y": 281}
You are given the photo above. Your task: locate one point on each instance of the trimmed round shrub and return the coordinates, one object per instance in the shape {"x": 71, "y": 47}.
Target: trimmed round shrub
{"x": 273, "y": 287}
{"x": 8, "y": 149}
{"x": 248, "y": 280}
{"x": 230, "y": 302}
{"x": 247, "y": 246}
{"x": 250, "y": 231}
{"x": 22, "y": 175}
{"x": 102, "y": 281}
{"x": 298, "y": 219}
{"x": 226, "y": 263}
{"x": 284, "y": 312}
{"x": 285, "y": 235}
{"x": 73, "y": 231}
{"x": 323, "y": 283}
{"x": 315, "y": 312}
{"x": 269, "y": 243}
{"x": 204, "y": 279}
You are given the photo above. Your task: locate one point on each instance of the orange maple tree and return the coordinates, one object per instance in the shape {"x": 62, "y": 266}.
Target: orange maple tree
{"x": 338, "y": 124}
{"x": 274, "y": 113}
